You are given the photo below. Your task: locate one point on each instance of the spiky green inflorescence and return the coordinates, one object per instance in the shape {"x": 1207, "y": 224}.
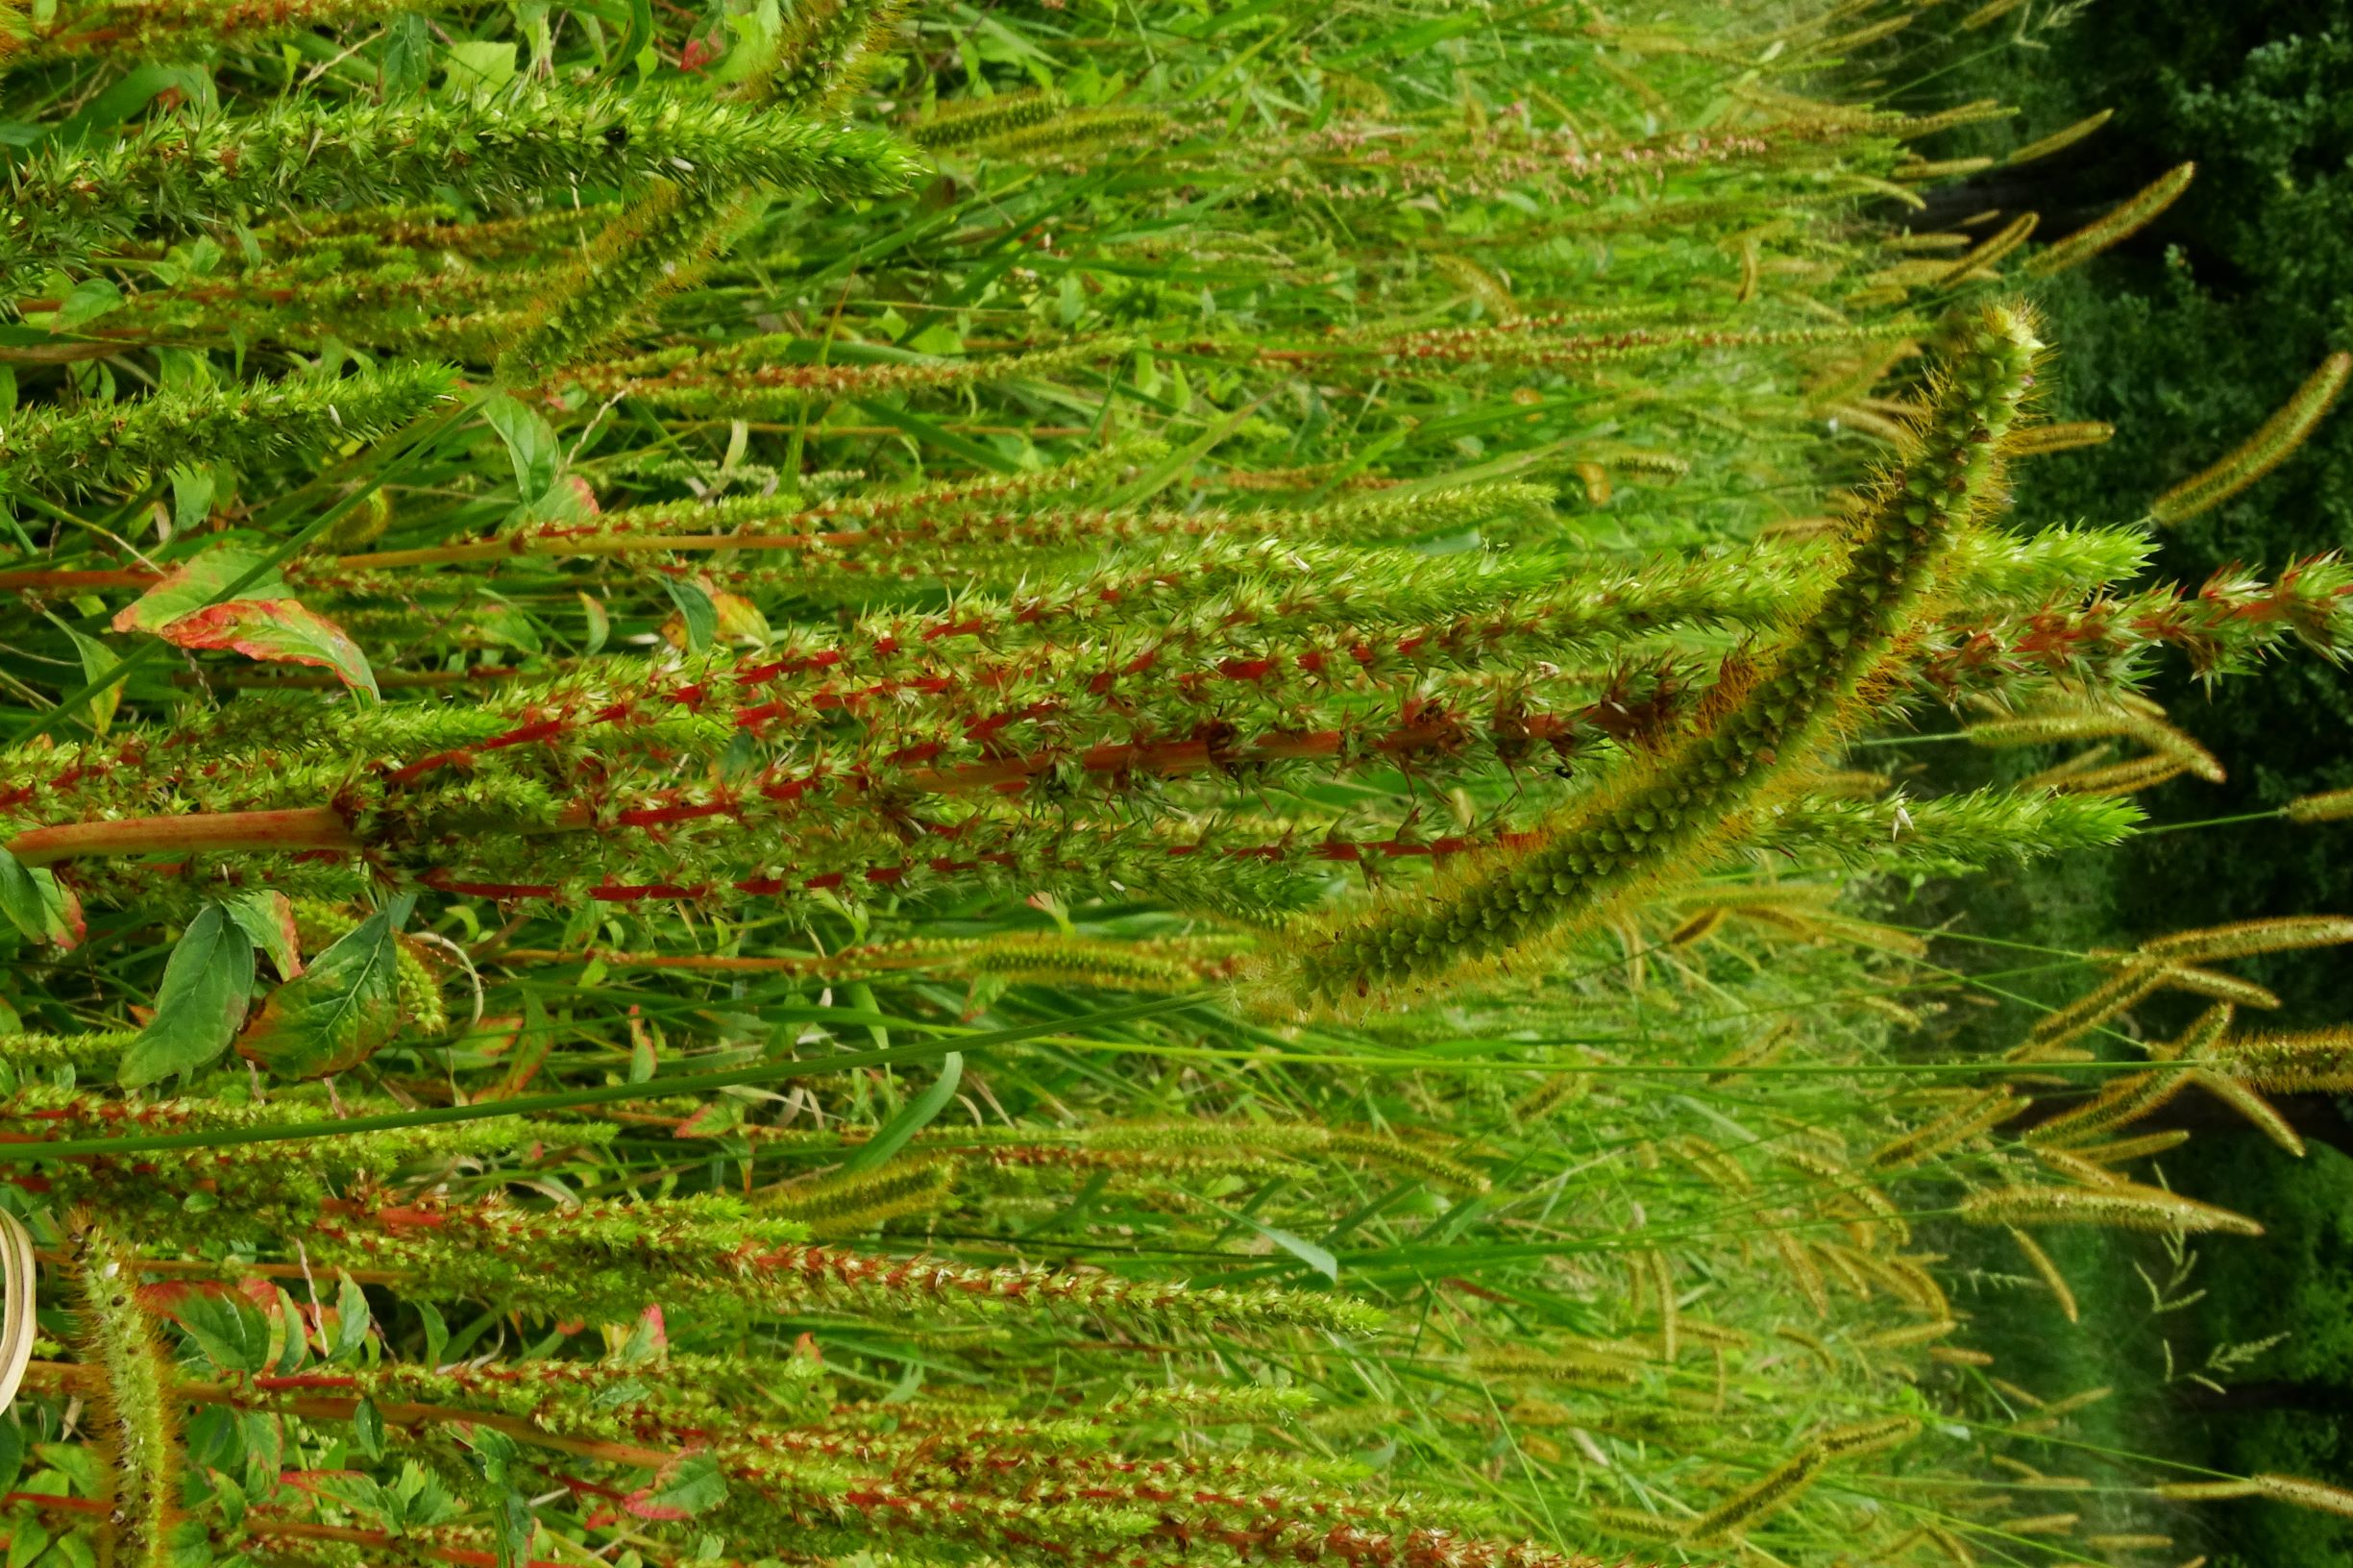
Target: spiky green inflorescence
{"x": 655, "y": 244}
{"x": 135, "y": 1420}
{"x": 1669, "y": 814}
{"x": 167, "y": 30}
{"x": 113, "y": 445}
{"x": 613, "y": 1261}
{"x": 182, "y": 173}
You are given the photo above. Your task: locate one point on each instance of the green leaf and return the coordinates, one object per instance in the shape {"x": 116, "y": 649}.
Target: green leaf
{"x": 368, "y": 1430}
{"x": 208, "y": 984}
{"x": 11, "y": 1453}
{"x": 938, "y": 435}
{"x": 37, "y": 904}
{"x": 133, "y": 93}
{"x": 192, "y": 492}
{"x": 600, "y": 626}
{"x": 687, "y": 1485}
{"x": 230, "y": 1332}
{"x": 267, "y": 919}
{"x": 1159, "y": 478}
{"x": 531, "y": 440}
{"x": 90, "y": 299}
{"x": 351, "y": 1320}
{"x": 1306, "y": 1252}
{"x": 408, "y": 53}
{"x": 695, "y": 612}
{"x": 640, "y": 36}
{"x": 97, "y": 662}
{"x": 515, "y": 1527}
{"x": 345, "y": 1006}
{"x": 277, "y": 631}
{"x": 436, "y": 1333}
{"x": 911, "y": 1118}
{"x": 193, "y": 584}
{"x": 478, "y": 70}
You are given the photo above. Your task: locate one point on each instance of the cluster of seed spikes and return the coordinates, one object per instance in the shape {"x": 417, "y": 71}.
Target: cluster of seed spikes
{"x": 809, "y": 786}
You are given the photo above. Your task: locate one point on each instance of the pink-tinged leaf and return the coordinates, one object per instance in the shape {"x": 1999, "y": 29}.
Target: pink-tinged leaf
{"x": 346, "y": 1004}
{"x": 267, "y": 917}
{"x": 37, "y": 905}
{"x": 192, "y": 584}
{"x": 714, "y": 1118}
{"x": 278, "y": 631}
{"x": 67, "y": 927}
{"x": 648, "y": 1338}
{"x": 687, "y": 1485}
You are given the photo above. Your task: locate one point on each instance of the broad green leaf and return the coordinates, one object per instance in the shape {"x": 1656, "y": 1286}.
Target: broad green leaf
{"x": 714, "y": 1118}
{"x": 512, "y": 1515}
{"x": 698, "y": 615}
{"x": 344, "y": 1005}
{"x": 531, "y": 440}
{"x": 193, "y": 584}
{"x": 267, "y": 919}
{"x": 232, "y": 1332}
{"x": 408, "y": 53}
{"x": 90, "y": 299}
{"x": 277, "y": 631}
{"x": 911, "y": 1118}
{"x": 479, "y": 69}
{"x": 351, "y": 1320}
{"x": 207, "y": 983}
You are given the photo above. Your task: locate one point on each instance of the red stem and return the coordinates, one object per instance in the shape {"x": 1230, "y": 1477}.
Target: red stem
{"x": 300, "y": 827}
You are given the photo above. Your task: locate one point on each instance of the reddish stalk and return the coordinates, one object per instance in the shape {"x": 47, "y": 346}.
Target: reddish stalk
{"x": 300, "y": 828}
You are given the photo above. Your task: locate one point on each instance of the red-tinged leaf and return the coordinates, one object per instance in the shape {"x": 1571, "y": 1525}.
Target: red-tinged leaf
{"x": 276, "y": 632}
{"x": 37, "y": 905}
{"x": 193, "y": 584}
{"x": 687, "y": 1485}
{"x": 714, "y": 1118}
{"x": 346, "y": 1004}
{"x": 267, "y": 918}
{"x": 534, "y": 1036}
{"x": 649, "y": 1338}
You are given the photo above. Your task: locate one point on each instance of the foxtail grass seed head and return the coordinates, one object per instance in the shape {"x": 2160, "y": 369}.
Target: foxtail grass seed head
{"x": 1669, "y": 814}
{"x": 2059, "y": 140}
{"x": 2270, "y": 445}
{"x": 2126, "y": 219}
{"x": 2328, "y": 806}
{"x": 2122, "y": 1206}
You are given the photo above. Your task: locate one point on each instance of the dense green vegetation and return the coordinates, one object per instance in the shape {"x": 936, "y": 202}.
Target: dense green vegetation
{"x": 1100, "y": 783}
